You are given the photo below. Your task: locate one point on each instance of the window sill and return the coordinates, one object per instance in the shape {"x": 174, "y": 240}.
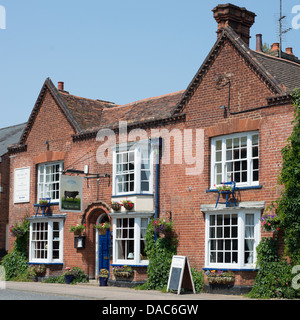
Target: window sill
{"x": 237, "y": 188}
{"x": 130, "y": 265}
{"x": 132, "y": 195}
{"x": 230, "y": 269}
{"x": 46, "y": 263}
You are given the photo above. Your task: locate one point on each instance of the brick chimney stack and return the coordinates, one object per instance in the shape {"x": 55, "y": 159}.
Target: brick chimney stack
{"x": 259, "y": 42}
{"x": 239, "y": 19}
{"x": 60, "y": 86}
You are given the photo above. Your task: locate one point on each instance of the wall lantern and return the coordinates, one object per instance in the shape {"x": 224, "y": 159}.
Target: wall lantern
{"x": 79, "y": 242}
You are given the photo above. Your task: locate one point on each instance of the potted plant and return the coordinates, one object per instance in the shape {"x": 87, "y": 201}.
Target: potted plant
{"x": 103, "y": 277}
{"x": 116, "y": 206}
{"x": 69, "y": 275}
{"x": 43, "y": 202}
{"x": 77, "y": 229}
{"x": 102, "y": 227}
{"x": 35, "y": 271}
{"x": 128, "y": 204}
{"x": 121, "y": 272}
{"x": 224, "y": 188}
{"x": 220, "y": 277}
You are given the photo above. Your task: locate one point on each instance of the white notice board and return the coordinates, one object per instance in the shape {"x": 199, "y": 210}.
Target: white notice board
{"x": 22, "y": 185}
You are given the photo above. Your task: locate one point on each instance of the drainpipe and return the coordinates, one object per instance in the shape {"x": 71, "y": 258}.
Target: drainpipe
{"x": 157, "y": 171}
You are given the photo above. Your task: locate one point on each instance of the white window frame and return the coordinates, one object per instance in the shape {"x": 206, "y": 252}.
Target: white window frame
{"x": 44, "y": 166}
{"x": 49, "y": 245}
{"x": 241, "y": 239}
{"x": 137, "y": 241}
{"x": 223, "y": 161}
{"x": 137, "y": 149}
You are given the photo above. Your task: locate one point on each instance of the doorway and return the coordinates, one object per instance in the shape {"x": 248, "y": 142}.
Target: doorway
{"x": 102, "y": 246}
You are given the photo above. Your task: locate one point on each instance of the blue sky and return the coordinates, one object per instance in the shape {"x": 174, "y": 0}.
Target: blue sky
{"x": 116, "y": 50}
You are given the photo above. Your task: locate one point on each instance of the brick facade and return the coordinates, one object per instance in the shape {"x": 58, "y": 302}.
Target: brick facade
{"x": 180, "y": 195}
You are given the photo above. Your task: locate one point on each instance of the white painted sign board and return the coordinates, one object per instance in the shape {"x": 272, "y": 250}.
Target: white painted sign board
{"x": 180, "y": 275}
{"x": 22, "y": 185}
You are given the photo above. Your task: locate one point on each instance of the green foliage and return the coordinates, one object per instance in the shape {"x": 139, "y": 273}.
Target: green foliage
{"x": 159, "y": 253}
{"x": 198, "y": 279}
{"x": 267, "y": 251}
{"x": 15, "y": 264}
{"x": 79, "y": 277}
{"x": 21, "y": 232}
{"x": 288, "y": 204}
{"x": 274, "y": 278}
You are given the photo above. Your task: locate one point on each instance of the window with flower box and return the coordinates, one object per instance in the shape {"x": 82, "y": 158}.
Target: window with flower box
{"x": 46, "y": 241}
{"x": 231, "y": 239}
{"x": 129, "y": 240}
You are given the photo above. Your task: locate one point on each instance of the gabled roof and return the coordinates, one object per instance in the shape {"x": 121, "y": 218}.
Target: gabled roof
{"x": 9, "y": 136}
{"x": 280, "y": 76}
{"x": 48, "y": 85}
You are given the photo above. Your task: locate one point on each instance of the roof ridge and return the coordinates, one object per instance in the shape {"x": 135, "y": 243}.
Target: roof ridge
{"x": 146, "y": 99}
{"x": 84, "y": 98}
{"x": 13, "y": 126}
{"x": 276, "y": 58}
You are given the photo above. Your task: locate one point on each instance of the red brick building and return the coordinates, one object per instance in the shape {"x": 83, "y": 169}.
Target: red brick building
{"x": 230, "y": 124}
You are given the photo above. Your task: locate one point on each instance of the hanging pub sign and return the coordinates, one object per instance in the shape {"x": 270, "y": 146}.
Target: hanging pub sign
{"x": 180, "y": 276}
{"x": 70, "y": 198}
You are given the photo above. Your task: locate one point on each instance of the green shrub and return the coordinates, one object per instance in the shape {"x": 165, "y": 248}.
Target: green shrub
{"x": 15, "y": 264}
{"x": 198, "y": 279}
{"x": 274, "y": 278}
{"x": 160, "y": 254}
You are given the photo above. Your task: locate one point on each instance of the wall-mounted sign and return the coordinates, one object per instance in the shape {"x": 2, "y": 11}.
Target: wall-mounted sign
{"x": 22, "y": 185}
{"x": 70, "y": 198}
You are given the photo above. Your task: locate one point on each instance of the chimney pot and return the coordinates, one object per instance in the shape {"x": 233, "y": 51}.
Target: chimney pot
{"x": 289, "y": 51}
{"x": 239, "y": 19}
{"x": 275, "y": 46}
{"x": 259, "y": 42}
{"x": 60, "y": 85}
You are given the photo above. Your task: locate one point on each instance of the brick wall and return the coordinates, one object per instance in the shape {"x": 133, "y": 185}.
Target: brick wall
{"x": 180, "y": 195}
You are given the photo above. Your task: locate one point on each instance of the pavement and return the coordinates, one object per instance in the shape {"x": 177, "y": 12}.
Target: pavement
{"x": 92, "y": 291}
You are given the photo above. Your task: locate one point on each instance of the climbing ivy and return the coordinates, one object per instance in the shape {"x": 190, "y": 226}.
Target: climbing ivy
{"x": 288, "y": 204}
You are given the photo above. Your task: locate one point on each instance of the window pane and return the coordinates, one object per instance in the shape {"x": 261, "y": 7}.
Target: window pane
{"x": 239, "y": 153}
{"x": 222, "y": 245}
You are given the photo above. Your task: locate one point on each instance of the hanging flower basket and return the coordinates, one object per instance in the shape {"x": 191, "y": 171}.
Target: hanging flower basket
{"x": 128, "y": 204}
{"x": 77, "y": 229}
{"x": 102, "y": 227}
{"x": 116, "y": 206}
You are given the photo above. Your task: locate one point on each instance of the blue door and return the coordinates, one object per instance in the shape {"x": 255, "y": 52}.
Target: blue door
{"x": 104, "y": 242}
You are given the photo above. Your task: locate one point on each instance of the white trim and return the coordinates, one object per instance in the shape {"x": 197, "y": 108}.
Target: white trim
{"x": 137, "y": 148}
{"x": 241, "y": 239}
{"x": 249, "y": 159}
{"x": 137, "y": 238}
{"x": 49, "y": 258}
{"x": 45, "y": 164}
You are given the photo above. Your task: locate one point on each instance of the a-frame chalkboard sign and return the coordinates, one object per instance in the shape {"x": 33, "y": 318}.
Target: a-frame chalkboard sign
{"x": 180, "y": 275}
